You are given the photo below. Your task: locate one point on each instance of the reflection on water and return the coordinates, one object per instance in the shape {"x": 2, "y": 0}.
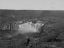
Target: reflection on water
{"x": 8, "y": 33}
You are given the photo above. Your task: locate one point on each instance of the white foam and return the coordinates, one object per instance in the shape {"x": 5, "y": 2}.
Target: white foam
{"x": 29, "y": 27}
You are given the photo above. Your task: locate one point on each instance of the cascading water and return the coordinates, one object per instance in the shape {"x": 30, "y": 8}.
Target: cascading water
{"x": 29, "y": 27}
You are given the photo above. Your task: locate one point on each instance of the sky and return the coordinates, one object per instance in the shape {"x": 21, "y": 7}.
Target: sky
{"x": 32, "y": 4}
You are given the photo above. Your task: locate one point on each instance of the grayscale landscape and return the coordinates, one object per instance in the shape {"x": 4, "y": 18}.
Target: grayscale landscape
{"x": 49, "y": 35}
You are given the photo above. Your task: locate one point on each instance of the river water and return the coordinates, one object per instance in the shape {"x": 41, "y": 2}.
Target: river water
{"x": 8, "y": 33}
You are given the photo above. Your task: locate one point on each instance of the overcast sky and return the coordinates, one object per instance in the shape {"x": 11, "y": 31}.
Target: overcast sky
{"x": 32, "y": 4}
